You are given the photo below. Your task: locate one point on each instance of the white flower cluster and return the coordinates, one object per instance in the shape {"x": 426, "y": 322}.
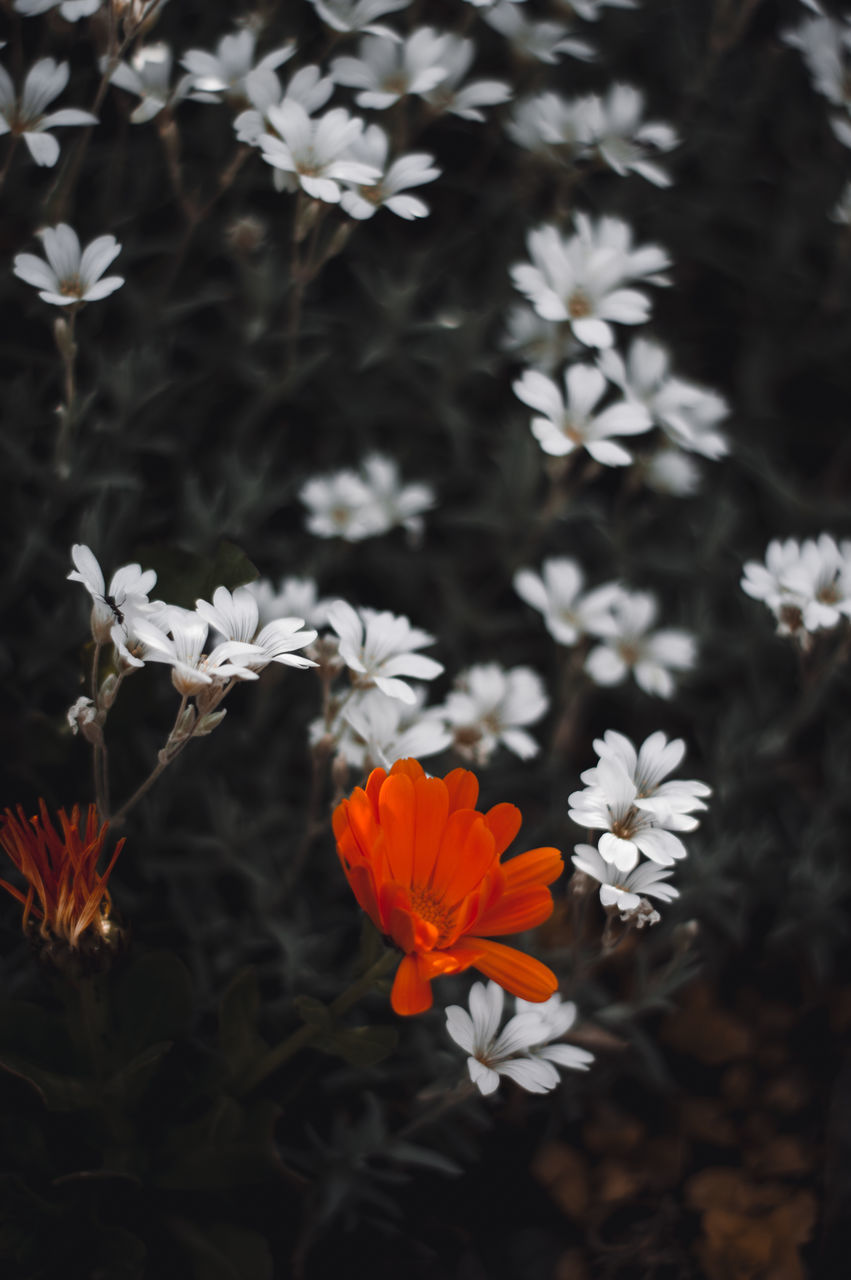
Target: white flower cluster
{"x": 825, "y": 46}
{"x": 621, "y": 620}
{"x": 491, "y": 706}
{"x": 524, "y": 1050}
{"x": 608, "y": 129}
{"x": 806, "y": 585}
{"x": 354, "y": 505}
{"x": 141, "y": 630}
{"x": 637, "y": 812}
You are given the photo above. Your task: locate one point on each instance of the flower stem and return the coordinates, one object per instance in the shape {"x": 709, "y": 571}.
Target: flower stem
{"x": 67, "y": 347}
{"x": 165, "y": 759}
{"x": 288, "y": 1048}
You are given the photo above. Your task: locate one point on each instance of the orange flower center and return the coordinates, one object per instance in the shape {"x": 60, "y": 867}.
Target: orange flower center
{"x": 431, "y": 909}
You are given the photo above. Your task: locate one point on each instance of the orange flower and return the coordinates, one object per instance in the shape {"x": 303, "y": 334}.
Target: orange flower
{"x": 425, "y": 866}
{"x": 61, "y": 871}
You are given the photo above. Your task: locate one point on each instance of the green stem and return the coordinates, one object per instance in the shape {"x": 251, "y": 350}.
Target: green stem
{"x": 288, "y": 1048}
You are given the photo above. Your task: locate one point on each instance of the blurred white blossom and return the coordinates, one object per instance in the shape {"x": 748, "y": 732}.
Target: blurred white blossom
{"x": 71, "y": 10}
{"x": 464, "y": 100}
{"x": 386, "y": 70}
{"x": 806, "y": 585}
{"x": 236, "y": 616}
{"x": 70, "y": 275}
{"x": 569, "y": 420}
{"x": 357, "y": 15}
{"x": 293, "y": 597}
{"x": 543, "y": 41}
{"x": 377, "y": 730}
{"x": 354, "y": 506}
{"x": 316, "y": 152}
{"x": 28, "y": 118}
{"x": 825, "y": 46}
{"x": 580, "y": 278}
{"x": 624, "y": 889}
{"x": 556, "y": 594}
{"x": 222, "y": 75}
{"x": 148, "y": 76}
{"x": 490, "y": 706}
{"x": 631, "y": 645}
{"x": 412, "y": 170}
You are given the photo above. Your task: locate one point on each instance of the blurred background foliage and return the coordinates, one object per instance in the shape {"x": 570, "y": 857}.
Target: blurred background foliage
{"x": 195, "y": 436}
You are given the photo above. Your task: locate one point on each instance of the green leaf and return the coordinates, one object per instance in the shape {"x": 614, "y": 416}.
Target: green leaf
{"x": 129, "y": 1083}
{"x": 58, "y": 1092}
{"x": 240, "y": 1043}
{"x": 360, "y": 1046}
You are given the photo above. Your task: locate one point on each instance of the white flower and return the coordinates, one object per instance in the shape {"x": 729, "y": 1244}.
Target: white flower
{"x": 114, "y": 611}
{"x": 806, "y": 585}
{"x": 81, "y": 716}
{"x": 630, "y": 645}
{"x": 613, "y": 128}
{"x": 148, "y": 76}
{"x": 357, "y": 15}
{"x": 222, "y": 75}
{"x": 541, "y": 343}
{"x": 549, "y": 124}
{"x": 520, "y": 1051}
{"x": 672, "y": 472}
{"x": 236, "y": 616}
{"x": 307, "y": 86}
{"x": 611, "y": 805}
{"x": 555, "y": 593}
{"x": 464, "y": 101}
{"x": 655, "y": 759}
{"x": 357, "y": 506}
{"x": 27, "y": 119}
{"x": 177, "y": 637}
{"x": 379, "y": 648}
{"x": 489, "y": 705}
{"x": 315, "y": 152}
{"x": 545, "y": 41}
{"x": 377, "y": 730}
{"x": 406, "y": 171}
{"x": 389, "y": 69}
{"x": 688, "y": 414}
{"x": 580, "y": 278}
{"x": 70, "y": 276}
{"x": 294, "y": 597}
{"x": 624, "y": 889}
{"x": 71, "y": 10}
{"x": 570, "y": 421}
{"x": 590, "y": 9}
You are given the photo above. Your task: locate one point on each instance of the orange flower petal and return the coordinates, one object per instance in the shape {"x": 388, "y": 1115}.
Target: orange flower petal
{"x": 518, "y": 973}
{"x": 411, "y": 993}
{"x": 515, "y": 912}
{"x": 466, "y": 855}
{"x": 408, "y": 767}
{"x": 463, "y": 788}
{"x": 537, "y": 866}
{"x": 432, "y": 814}
{"x": 503, "y": 821}
{"x": 396, "y": 816}
{"x": 373, "y": 786}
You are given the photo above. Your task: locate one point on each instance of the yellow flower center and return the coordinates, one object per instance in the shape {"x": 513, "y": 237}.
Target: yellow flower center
{"x": 431, "y": 909}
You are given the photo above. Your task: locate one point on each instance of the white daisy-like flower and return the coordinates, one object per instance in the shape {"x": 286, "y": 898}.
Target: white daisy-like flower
{"x": 543, "y": 41}
{"x": 148, "y": 76}
{"x": 631, "y": 645}
{"x": 178, "y": 637}
{"x": 114, "y": 611}
{"x": 624, "y": 889}
{"x": 613, "y": 128}
{"x": 70, "y": 275}
{"x": 569, "y": 420}
{"x": 236, "y": 616}
{"x": 548, "y": 124}
{"x": 689, "y": 415}
{"x": 71, "y": 10}
{"x": 647, "y": 768}
{"x": 316, "y": 151}
{"x": 307, "y": 86}
{"x": 28, "y": 118}
{"x": 389, "y": 69}
{"x": 557, "y": 1017}
{"x": 221, "y": 76}
{"x": 580, "y": 278}
{"x": 292, "y": 598}
{"x": 611, "y": 806}
{"x": 379, "y": 647}
{"x": 807, "y": 585}
{"x": 466, "y": 101}
{"x": 394, "y": 179}
{"x": 377, "y": 730}
{"x": 490, "y": 705}
{"x": 544, "y": 344}
{"x": 355, "y": 506}
{"x": 357, "y": 15}
{"x": 556, "y": 592}
{"x": 521, "y": 1050}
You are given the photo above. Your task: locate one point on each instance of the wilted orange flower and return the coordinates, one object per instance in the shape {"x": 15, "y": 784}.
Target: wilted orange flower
{"x": 65, "y": 890}
{"x": 425, "y": 866}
